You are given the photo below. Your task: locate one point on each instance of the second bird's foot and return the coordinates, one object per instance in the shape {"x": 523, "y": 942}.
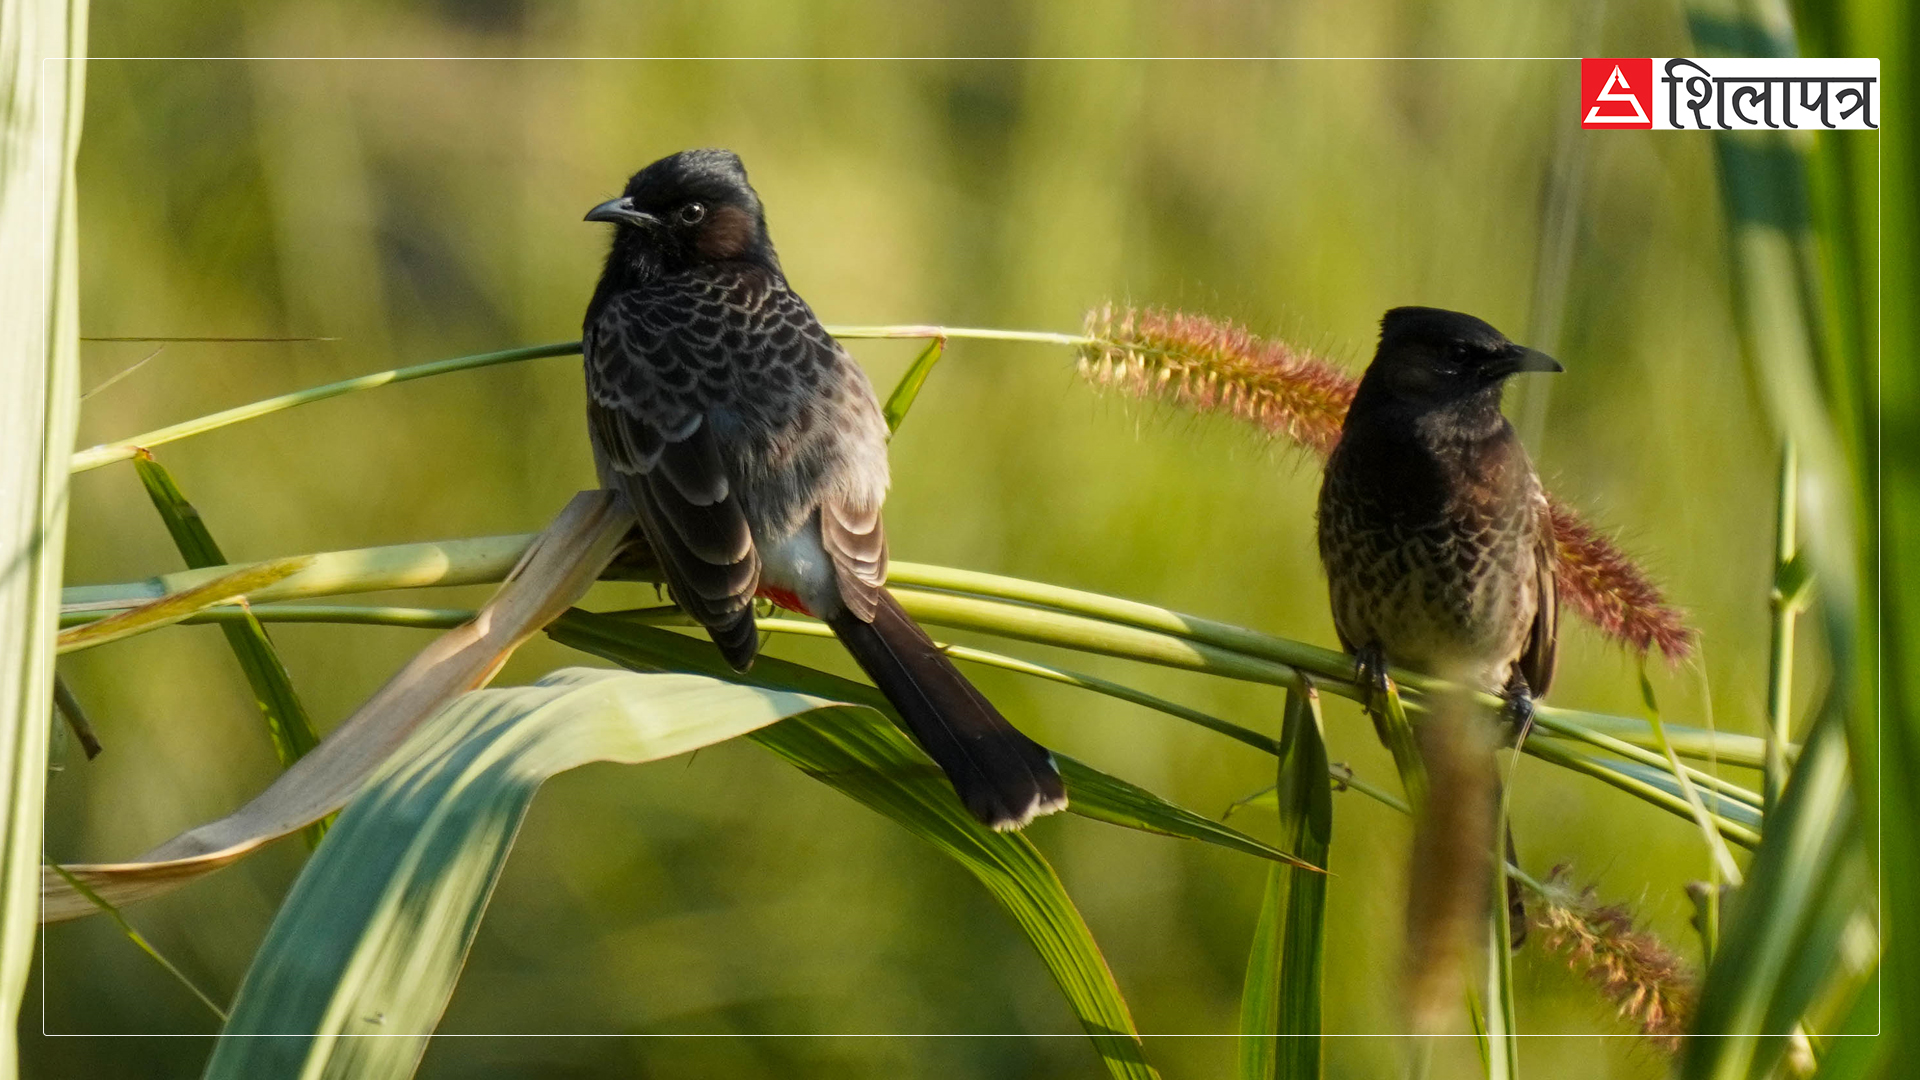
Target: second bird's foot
{"x": 1518, "y": 714}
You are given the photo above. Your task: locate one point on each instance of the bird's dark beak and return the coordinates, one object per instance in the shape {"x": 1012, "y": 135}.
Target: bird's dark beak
{"x": 1520, "y": 358}
{"x": 621, "y": 211}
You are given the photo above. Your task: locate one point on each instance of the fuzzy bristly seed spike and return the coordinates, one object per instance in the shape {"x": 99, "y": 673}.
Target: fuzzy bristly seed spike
{"x": 1215, "y": 366}
{"x": 1645, "y": 980}
{"x": 1212, "y": 366}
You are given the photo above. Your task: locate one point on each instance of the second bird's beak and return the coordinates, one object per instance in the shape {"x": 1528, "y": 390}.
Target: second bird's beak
{"x": 1525, "y": 359}
{"x": 621, "y": 211}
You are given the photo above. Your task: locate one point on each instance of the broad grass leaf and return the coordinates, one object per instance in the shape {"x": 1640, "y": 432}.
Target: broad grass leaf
{"x": 869, "y": 759}
{"x": 374, "y": 934}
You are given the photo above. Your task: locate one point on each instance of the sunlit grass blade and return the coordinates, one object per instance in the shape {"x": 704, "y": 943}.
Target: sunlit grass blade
{"x": 1092, "y": 793}
{"x": 288, "y": 725}
{"x": 42, "y": 70}
{"x": 1764, "y": 972}
{"x": 1280, "y": 1025}
{"x": 873, "y": 762}
{"x": 907, "y": 390}
{"x": 1027, "y": 611}
{"x": 1110, "y": 625}
{"x": 174, "y": 607}
{"x": 558, "y": 570}
{"x": 377, "y": 928}
{"x": 1737, "y": 822}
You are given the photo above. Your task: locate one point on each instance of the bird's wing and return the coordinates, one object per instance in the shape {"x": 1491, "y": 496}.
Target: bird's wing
{"x": 856, "y": 541}
{"x": 1543, "y": 642}
{"x": 656, "y": 376}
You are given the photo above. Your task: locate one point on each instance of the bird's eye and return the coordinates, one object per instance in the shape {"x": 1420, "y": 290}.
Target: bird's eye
{"x": 692, "y": 213}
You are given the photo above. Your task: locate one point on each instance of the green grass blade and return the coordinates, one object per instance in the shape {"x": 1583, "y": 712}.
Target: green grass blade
{"x": 863, "y": 758}
{"x": 1772, "y": 952}
{"x": 1080, "y": 680}
{"x": 107, "y": 453}
{"x": 1092, "y": 794}
{"x": 1391, "y": 724}
{"x": 39, "y": 408}
{"x": 1101, "y": 797}
{"x": 1306, "y": 813}
{"x": 376, "y": 929}
{"x": 1735, "y": 821}
{"x": 907, "y": 390}
{"x": 94, "y": 457}
{"x": 288, "y": 725}
{"x": 874, "y": 763}
{"x": 1280, "y": 1000}
{"x": 1259, "y": 993}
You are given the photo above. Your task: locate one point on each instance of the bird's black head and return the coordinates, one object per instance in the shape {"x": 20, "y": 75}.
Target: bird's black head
{"x": 690, "y": 208}
{"x": 1431, "y": 359}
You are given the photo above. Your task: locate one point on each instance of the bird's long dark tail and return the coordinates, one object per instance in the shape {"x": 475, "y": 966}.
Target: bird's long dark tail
{"x": 1004, "y": 778}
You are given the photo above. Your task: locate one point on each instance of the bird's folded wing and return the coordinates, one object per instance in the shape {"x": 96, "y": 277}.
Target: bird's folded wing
{"x": 649, "y": 419}
{"x": 856, "y": 541}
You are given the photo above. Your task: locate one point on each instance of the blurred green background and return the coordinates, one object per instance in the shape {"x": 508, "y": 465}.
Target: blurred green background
{"x": 422, "y": 208}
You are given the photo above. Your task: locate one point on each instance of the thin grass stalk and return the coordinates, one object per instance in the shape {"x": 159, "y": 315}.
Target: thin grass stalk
{"x": 93, "y": 457}
{"x": 39, "y": 404}
{"x": 1789, "y": 586}
{"x": 1725, "y": 869}
{"x": 1501, "y": 1021}
{"x": 139, "y": 940}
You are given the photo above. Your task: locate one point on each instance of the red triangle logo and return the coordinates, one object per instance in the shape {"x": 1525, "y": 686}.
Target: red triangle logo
{"x": 1616, "y": 93}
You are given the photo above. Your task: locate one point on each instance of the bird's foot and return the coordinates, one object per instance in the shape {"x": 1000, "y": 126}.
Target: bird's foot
{"x": 1371, "y": 673}
{"x": 1518, "y": 713}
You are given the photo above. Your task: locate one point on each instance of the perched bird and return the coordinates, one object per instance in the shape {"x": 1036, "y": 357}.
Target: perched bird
{"x": 1434, "y": 532}
{"x": 1433, "y": 527}
{"x": 753, "y": 452}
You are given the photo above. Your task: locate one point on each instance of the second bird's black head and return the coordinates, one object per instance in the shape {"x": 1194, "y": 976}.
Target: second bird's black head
{"x": 1432, "y": 360}
{"x": 685, "y": 210}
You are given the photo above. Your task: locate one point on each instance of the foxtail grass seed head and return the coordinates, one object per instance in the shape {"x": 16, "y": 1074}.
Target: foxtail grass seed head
{"x": 1211, "y": 366}
{"x": 1644, "y": 979}
{"x": 1215, "y": 366}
